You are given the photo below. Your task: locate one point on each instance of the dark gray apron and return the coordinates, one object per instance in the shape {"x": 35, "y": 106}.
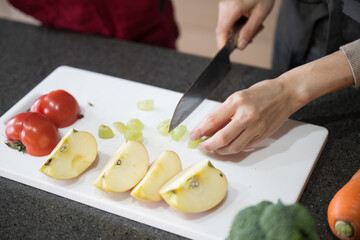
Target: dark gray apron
{"x": 310, "y": 29}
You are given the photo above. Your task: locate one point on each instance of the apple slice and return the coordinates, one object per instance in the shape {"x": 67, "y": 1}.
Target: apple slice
{"x": 196, "y": 189}
{"x": 166, "y": 166}
{"x": 124, "y": 169}
{"x": 75, "y": 152}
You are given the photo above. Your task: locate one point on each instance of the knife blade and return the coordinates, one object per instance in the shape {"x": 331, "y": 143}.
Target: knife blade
{"x": 208, "y": 80}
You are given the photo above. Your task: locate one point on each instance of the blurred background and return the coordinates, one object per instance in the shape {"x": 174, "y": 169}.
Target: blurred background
{"x": 197, "y": 22}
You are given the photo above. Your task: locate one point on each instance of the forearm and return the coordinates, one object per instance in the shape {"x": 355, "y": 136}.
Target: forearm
{"x": 251, "y": 115}
{"x": 315, "y": 79}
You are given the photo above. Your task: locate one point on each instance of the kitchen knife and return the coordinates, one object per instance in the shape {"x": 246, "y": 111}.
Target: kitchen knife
{"x": 208, "y": 80}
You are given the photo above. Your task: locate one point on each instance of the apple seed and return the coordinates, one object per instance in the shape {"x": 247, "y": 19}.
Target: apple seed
{"x": 194, "y": 184}
{"x": 63, "y": 148}
{"x": 47, "y": 163}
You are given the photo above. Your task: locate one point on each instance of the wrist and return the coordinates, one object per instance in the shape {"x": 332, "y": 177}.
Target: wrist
{"x": 295, "y": 89}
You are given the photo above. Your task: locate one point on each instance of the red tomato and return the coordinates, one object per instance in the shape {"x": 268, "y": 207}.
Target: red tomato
{"x": 33, "y": 133}
{"x": 59, "y": 106}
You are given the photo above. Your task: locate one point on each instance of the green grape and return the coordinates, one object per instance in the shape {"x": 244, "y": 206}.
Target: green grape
{"x": 120, "y": 126}
{"x": 133, "y": 134}
{"x": 163, "y": 127}
{"x": 135, "y": 124}
{"x": 192, "y": 144}
{"x": 178, "y": 132}
{"x": 105, "y": 132}
{"x": 146, "y": 105}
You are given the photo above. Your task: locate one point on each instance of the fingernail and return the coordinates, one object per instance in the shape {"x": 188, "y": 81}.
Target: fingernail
{"x": 242, "y": 44}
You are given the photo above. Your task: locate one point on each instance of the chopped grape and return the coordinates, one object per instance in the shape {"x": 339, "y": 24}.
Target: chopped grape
{"x": 135, "y": 124}
{"x": 163, "y": 127}
{"x": 146, "y": 105}
{"x": 120, "y": 127}
{"x": 194, "y": 143}
{"x": 105, "y": 132}
{"x": 178, "y": 132}
{"x": 133, "y": 134}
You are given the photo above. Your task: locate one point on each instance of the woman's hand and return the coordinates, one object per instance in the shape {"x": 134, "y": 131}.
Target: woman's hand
{"x": 251, "y": 115}
{"x": 246, "y": 117}
{"x": 231, "y": 10}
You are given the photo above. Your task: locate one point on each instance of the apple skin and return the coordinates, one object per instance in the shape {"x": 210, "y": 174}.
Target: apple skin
{"x": 166, "y": 166}
{"x": 124, "y": 169}
{"x": 75, "y": 152}
{"x": 198, "y": 188}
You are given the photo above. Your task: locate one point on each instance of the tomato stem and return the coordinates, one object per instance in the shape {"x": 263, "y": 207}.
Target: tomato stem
{"x": 15, "y": 144}
{"x": 344, "y": 229}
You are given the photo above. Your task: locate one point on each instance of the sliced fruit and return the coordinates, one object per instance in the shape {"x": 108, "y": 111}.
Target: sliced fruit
{"x": 166, "y": 166}
{"x": 135, "y": 124}
{"x": 146, "y": 105}
{"x": 163, "y": 127}
{"x": 76, "y": 151}
{"x": 105, "y": 132}
{"x": 178, "y": 132}
{"x": 133, "y": 134}
{"x": 124, "y": 169}
{"x": 192, "y": 144}
{"x": 196, "y": 189}
{"x": 121, "y": 127}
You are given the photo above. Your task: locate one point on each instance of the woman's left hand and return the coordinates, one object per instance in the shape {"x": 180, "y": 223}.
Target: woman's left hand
{"x": 246, "y": 117}
{"x": 251, "y": 115}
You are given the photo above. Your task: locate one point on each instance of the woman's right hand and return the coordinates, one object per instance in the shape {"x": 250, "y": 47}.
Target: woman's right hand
{"x": 231, "y": 10}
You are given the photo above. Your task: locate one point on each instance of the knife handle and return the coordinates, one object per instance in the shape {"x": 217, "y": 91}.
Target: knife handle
{"x": 231, "y": 43}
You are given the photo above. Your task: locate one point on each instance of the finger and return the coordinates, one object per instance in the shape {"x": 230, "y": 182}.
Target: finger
{"x": 250, "y": 29}
{"x": 223, "y": 137}
{"x": 248, "y": 42}
{"x": 227, "y": 16}
{"x": 259, "y": 30}
{"x": 238, "y": 144}
{"x": 212, "y": 131}
{"x": 213, "y": 122}
{"x": 255, "y": 140}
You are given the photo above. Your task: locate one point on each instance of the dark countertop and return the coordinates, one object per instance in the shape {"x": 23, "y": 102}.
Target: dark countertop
{"x": 29, "y": 53}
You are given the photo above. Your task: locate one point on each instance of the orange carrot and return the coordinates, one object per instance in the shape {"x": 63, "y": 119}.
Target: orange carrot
{"x": 344, "y": 210}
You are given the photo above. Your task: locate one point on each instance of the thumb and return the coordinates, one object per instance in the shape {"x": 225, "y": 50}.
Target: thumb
{"x": 228, "y": 14}
{"x": 221, "y": 38}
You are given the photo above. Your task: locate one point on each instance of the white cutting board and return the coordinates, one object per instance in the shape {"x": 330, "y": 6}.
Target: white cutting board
{"x": 277, "y": 168}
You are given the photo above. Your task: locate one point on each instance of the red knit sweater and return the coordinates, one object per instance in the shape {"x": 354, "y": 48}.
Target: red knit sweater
{"x": 146, "y": 21}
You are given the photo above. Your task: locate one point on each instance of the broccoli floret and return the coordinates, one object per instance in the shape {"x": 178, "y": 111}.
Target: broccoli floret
{"x": 267, "y": 221}
{"x": 287, "y": 222}
{"x": 246, "y": 223}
